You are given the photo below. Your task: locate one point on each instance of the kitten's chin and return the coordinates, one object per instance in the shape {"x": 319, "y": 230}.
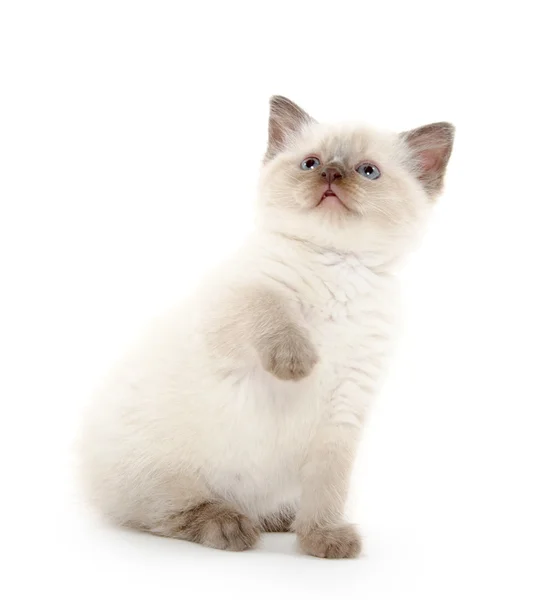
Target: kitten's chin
{"x": 328, "y": 228}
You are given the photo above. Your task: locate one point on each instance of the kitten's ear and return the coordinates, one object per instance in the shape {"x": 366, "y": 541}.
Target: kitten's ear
{"x": 431, "y": 146}
{"x": 286, "y": 120}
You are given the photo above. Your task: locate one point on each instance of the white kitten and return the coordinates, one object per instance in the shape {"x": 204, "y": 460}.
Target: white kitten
{"x": 241, "y": 411}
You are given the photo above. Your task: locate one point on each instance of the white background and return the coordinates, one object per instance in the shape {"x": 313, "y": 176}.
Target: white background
{"x": 131, "y": 135}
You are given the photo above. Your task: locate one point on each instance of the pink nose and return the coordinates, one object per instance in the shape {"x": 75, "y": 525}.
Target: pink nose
{"x": 330, "y": 174}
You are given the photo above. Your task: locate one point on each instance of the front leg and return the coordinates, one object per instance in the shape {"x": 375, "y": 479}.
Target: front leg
{"x": 258, "y": 322}
{"x": 320, "y": 525}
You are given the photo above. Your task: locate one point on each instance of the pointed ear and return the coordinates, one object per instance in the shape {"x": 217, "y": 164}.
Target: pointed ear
{"x": 431, "y": 146}
{"x": 286, "y": 120}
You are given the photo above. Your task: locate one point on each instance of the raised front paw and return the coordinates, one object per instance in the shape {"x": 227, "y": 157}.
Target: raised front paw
{"x": 341, "y": 541}
{"x": 289, "y": 357}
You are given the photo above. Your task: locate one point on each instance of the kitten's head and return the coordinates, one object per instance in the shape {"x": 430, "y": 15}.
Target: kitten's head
{"x": 350, "y": 188}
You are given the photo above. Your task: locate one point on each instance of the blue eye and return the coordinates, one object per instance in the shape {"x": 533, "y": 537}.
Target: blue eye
{"x": 368, "y": 170}
{"x": 310, "y": 163}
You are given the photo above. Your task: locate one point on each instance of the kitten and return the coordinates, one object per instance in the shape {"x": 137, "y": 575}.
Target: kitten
{"x": 241, "y": 411}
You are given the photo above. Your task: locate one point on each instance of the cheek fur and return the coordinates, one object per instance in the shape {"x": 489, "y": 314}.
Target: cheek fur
{"x": 301, "y": 186}
{"x": 386, "y": 202}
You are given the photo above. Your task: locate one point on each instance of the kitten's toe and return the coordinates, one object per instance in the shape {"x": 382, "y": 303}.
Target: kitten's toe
{"x": 213, "y": 524}
{"x": 342, "y": 541}
{"x": 291, "y": 358}
{"x": 229, "y": 530}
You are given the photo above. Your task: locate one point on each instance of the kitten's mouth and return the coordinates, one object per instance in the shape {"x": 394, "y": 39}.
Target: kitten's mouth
{"x": 330, "y": 198}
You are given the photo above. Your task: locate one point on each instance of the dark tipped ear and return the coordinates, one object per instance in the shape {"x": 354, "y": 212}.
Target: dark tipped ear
{"x": 431, "y": 146}
{"x": 286, "y": 119}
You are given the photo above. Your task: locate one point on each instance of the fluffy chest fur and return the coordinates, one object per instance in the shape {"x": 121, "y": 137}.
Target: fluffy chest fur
{"x": 350, "y": 310}
{"x": 352, "y": 322}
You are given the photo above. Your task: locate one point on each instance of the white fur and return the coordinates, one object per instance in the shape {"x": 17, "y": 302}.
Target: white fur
{"x": 166, "y": 407}
{"x": 180, "y": 417}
